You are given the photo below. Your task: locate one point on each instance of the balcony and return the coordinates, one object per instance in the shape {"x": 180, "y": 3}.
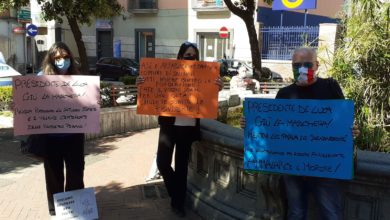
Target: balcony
{"x": 209, "y": 5}
{"x": 143, "y": 6}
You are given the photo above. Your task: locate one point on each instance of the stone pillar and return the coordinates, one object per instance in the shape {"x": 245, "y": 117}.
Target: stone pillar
{"x": 328, "y": 36}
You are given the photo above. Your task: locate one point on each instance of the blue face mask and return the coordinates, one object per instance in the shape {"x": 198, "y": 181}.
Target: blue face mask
{"x": 62, "y": 64}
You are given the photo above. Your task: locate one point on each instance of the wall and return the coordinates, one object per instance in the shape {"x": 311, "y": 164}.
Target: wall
{"x": 120, "y": 120}
{"x": 170, "y": 24}
{"x": 218, "y": 187}
{"x": 11, "y": 44}
{"x": 212, "y": 21}
{"x": 324, "y": 13}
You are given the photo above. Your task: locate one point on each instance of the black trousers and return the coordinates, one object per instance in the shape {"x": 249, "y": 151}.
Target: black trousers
{"x": 68, "y": 149}
{"x": 175, "y": 179}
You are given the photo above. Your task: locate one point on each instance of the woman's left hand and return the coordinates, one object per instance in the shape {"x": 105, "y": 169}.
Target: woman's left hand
{"x": 355, "y": 131}
{"x": 219, "y": 83}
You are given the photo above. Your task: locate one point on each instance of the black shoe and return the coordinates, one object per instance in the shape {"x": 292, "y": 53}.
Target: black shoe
{"x": 180, "y": 212}
{"x": 178, "y": 209}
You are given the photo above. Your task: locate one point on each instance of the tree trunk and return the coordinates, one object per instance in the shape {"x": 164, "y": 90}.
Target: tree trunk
{"x": 254, "y": 43}
{"x": 247, "y": 17}
{"x": 74, "y": 26}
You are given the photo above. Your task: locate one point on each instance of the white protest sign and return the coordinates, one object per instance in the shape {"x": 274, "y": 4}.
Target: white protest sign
{"x": 77, "y": 204}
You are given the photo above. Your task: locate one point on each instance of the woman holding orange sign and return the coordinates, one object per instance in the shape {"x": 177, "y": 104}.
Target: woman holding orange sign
{"x": 180, "y": 132}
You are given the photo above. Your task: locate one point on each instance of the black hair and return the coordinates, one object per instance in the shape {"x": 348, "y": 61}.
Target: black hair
{"x": 183, "y": 49}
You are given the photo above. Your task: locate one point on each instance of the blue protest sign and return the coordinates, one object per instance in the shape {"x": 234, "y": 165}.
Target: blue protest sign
{"x": 293, "y": 4}
{"x": 299, "y": 137}
{"x": 32, "y": 30}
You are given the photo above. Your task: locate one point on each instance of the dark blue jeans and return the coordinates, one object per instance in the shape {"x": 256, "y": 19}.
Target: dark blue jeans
{"x": 326, "y": 192}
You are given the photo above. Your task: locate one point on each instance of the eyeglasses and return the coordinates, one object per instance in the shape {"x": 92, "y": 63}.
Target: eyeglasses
{"x": 187, "y": 43}
{"x": 304, "y": 64}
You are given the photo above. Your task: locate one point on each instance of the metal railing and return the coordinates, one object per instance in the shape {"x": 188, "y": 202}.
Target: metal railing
{"x": 143, "y": 4}
{"x": 280, "y": 42}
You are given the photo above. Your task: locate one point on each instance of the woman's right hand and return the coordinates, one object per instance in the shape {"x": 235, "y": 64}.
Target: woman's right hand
{"x": 139, "y": 80}
{"x": 242, "y": 122}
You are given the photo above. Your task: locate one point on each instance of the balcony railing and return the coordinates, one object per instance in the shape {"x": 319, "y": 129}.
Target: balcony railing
{"x": 143, "y": 6}
{"x": 209, "y": 5}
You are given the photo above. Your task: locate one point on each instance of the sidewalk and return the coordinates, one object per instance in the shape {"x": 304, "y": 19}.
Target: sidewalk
{"x": 116, "y": 166}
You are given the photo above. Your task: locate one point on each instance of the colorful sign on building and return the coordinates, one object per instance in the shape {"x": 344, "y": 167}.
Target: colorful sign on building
{"x": 294, "y": 4}
{"x": 24, "y": 15}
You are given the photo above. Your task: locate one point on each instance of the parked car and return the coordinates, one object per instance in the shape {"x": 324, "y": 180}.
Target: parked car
{"x": 229, "y": 67}
{"x": 113, "y": 68}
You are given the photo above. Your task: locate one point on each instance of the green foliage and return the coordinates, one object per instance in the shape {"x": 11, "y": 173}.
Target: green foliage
{"x": 83, "y": 11}
{"x": 362, "y": 66}
{"x": 6, "y": 114}
{"x": 234, "y": 116}
{"x": 226, "y": 78}
{"x": 7, "y": 4}
{"x": 5, "y": 97}
{"x": 128, "y": 80}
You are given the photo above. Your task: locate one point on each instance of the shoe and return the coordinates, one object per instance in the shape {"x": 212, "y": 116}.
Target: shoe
{"x": 178, "y": 210}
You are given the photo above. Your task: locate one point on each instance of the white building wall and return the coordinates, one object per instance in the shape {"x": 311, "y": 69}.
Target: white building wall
{"x": 11, "y": 44}
{"x": 213, "y": 21}
{"x": 170, "y": 26}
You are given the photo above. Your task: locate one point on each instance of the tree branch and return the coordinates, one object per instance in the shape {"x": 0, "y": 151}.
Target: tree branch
{"x": 239, "y": 12}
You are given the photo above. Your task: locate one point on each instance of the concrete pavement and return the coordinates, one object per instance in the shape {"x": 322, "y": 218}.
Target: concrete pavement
{"x": 116, "y": 167}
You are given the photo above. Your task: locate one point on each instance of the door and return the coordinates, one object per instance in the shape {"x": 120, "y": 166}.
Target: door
{"x": 104, "y": 43}
{"x": 212, "y": 47}
{"x": 145, "y": 43}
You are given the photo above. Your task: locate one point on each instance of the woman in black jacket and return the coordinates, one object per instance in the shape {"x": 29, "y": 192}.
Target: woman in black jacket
{"x": 180, "y": 132}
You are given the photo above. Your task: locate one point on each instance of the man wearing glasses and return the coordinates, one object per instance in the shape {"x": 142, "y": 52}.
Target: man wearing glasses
{"x": 326, "y": 192}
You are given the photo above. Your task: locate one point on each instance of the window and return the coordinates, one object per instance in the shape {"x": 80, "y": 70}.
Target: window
{"x": 106, "y": 61}
{"x": 116, "y": 62}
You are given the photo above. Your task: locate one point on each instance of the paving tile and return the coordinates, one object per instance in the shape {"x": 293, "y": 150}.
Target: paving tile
{"x": 115, "y": 166}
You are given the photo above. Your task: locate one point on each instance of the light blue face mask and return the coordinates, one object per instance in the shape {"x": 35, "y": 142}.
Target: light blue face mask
{"x": 62, "y": 64}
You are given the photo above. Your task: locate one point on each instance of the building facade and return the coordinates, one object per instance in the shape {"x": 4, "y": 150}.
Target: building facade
{"x": 156, "y": 28}
{"x": 12, "y": 40}
{"x": 325, "y": 12}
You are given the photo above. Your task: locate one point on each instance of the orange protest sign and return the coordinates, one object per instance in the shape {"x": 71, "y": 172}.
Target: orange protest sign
{"x": 178, "y": 88}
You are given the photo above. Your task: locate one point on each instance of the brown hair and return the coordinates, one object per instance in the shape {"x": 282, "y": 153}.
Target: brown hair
{"x": 48, "y": 67}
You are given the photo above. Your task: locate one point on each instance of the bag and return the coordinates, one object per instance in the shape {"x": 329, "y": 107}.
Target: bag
{"x": 34, "y": 146}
